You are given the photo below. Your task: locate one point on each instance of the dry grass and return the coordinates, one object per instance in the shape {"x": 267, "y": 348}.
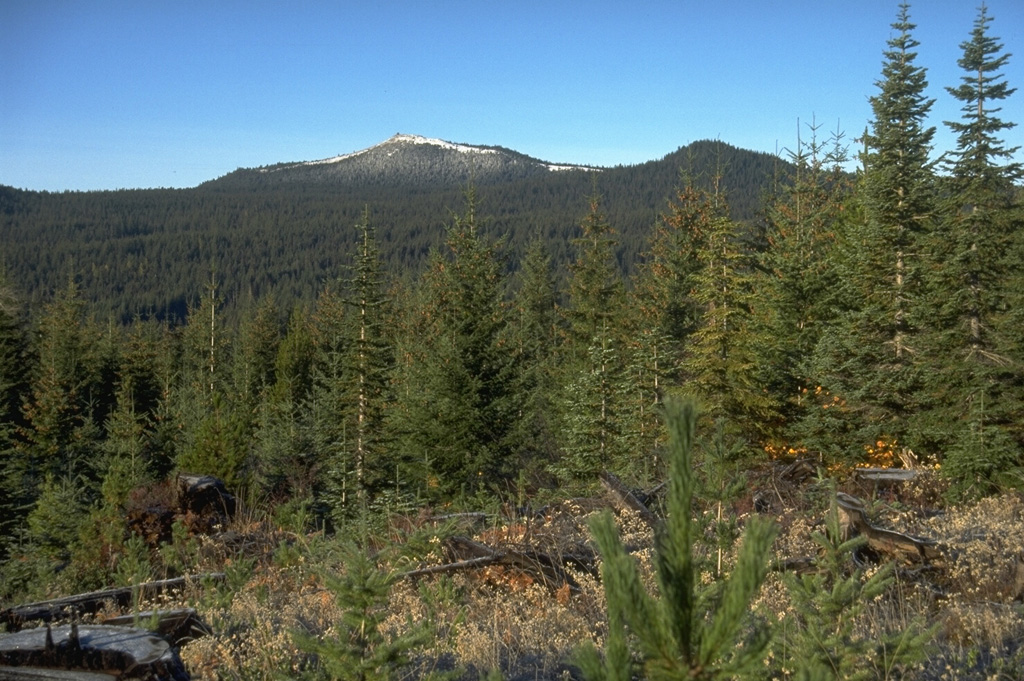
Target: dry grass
{"x": 502, "y": 619}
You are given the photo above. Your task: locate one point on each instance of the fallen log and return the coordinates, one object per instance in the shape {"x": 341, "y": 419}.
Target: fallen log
{"x": 854, "y": 520}
{"x": 88, "y": 652}
{"x": 801, "y": 565}
{"x": 177, "y": 626}
{"x": 797, "y": 472}
{"x": 625, "y": 499}
{"x": 470, "y": 564}
{"x": 886, "y": 474}
{"x": 467, "y": 554}
{"x": 93, "y": 601}
{"x": 470, "y": 517}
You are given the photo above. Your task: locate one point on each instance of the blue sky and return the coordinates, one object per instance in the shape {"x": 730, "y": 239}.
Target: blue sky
{"x": 107, "y": 95}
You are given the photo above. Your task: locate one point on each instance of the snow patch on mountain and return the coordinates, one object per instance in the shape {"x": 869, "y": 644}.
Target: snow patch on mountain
{"x": 407, "y": 139}
{"x": 379, "y": 156}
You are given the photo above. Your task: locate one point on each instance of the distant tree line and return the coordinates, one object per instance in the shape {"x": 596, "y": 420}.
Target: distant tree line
{"x": 149, "y": 252}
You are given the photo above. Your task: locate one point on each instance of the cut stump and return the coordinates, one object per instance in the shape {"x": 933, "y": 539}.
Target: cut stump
{"x": 89, "y": 652}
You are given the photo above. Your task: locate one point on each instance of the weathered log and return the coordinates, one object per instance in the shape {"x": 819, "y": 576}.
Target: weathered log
{"x": 802, "y": 565}
{"x": 458, "y": 566}
{"x": 626, "y": 499}
{"x": 93, "y": 601}
{"x": 177, "y": 626}
{"x": 467, "y": 554}
{"x": 37, "y": 674}
{"x": 122, "y": 652}
{"x": 854, "y": 519}
{"x": 886, "y": 474}
{"x": 797, "y": 472}
{"x": 468, "y": 519}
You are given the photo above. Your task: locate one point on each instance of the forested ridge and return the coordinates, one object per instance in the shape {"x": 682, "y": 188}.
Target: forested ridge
{"x": 149, "y": 252}
{"x": 329, "y": 352}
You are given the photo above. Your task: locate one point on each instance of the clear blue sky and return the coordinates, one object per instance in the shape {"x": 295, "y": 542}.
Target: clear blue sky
{"x": 106, "y": 95}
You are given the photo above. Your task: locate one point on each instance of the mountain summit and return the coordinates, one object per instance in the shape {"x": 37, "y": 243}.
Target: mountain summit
{"x": 405, "y": 161}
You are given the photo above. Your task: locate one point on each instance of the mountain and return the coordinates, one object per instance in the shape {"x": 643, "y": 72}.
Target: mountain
{"x": 402, "y": 161}
{"x": 285, "y": 230}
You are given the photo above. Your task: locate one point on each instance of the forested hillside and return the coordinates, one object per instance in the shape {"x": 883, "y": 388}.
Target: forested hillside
{"x": 151, "y": 252}
{"x": 342, "y": 355}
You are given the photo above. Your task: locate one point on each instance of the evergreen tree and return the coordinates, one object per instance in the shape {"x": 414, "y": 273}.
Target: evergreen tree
{"x": 457, "y": 410}
{"x": 359, "y": 648}
{"x": 533, "y": 333}
{"x": 595, "y": 285}
{"x": 62, "y": 436}
{"x": 220, "y": 444}
{"x": 159, "y": 397}
{"x": 205, "y": 370}
{"x": 867, "y": 361}
{"x": 126, "y": 452}
{"x": 368, "y": 362}
{"x": 982, "y": 165}
{"x": 685, "y": 631}
{"x": 413, "y": 322}
{"x": 970, "y": 354}
{"x": 327, "y": 401}
{"x": 283, "y": 461}
{"x": 669, "y": 276}
{"x": 721, "y": 357}
{"x": 593, "y": 412}
{"x": 898, "y": 183}
{"x": 822, "y": 641}
{"x": 352, "y": 379}
{"x": 593, "y": 416}
{"x": 797, "y": 270}
{"x": 56, "y": 519}
{"x": 15, "y": 491}
{"x": 662, "y": 313}
{"x": 254, "y": 353}
{"x": 215, "y": 431}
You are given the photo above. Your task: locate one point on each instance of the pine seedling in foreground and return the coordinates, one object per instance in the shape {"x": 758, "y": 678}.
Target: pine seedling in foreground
{"x": 686, "y": 632}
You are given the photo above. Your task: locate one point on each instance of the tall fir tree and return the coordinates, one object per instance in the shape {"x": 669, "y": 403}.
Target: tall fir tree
{"x": 982, "y": 166}
{"x": 284, "y": 456}
{"x": 868, "y": 361}
{"x": 214, "y": 430}
{"x": 15, "y": 472}
{"x": 146, "y": 378}
{"x": 62, "y": 436}
{"x": 126, "y": 462}
{"x": 368, "y": 363}
{"x": 592, "y": 403}
{"x": 669, "y": 276}
{"x": 975, "y": 377}
{"x": 797, "y": 273}
{"x": 130, "y": 456}
{"x": 663, "y": 313}
{"x": 533, "y": 334}
{"x": 457, "y": 410}
{"x": 595, "y": 286}
{"x": 721, "y": 357}
{"x": 254, "y": 353}
{"x": 327, "y": 402}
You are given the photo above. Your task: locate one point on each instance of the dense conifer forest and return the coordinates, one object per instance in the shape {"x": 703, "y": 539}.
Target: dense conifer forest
{"x": 150, "y": 252}
{"x": 330, "y": 350}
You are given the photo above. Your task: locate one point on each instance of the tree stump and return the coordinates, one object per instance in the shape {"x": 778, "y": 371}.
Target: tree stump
{"x": 89, "y": 652}
{"x": 853, "y": 518}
